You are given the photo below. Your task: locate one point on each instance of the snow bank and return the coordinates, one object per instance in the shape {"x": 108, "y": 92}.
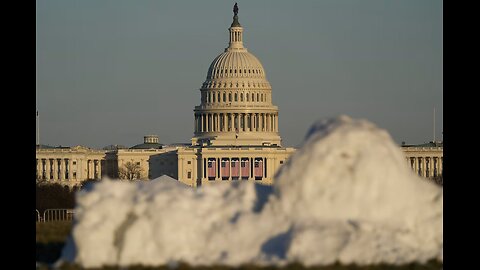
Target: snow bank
{"x": 346, "y": 195}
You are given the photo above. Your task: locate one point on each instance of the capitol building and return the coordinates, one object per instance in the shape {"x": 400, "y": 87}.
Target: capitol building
{"x": 236, "y": 135}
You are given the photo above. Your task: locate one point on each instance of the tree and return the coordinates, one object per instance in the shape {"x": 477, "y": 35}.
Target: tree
{"x": 130, "y": 171}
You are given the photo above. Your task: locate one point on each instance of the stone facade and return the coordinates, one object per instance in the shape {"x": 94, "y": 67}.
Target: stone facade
{"x": 425, "y": 159}
{"x": 236, "y": 135}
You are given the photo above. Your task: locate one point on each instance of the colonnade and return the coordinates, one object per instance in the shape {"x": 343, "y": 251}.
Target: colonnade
{"x": 426, "y": 166}
{"x": 67, "y": 169}
{"x": 236, "y": 122}
{"x": 246, "y": 168}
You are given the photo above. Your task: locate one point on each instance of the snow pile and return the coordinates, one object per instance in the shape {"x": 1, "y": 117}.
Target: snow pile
{"x": 347, "y": 195}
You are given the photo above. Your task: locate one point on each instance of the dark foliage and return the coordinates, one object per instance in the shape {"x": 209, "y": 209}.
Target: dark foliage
{"x": 51, "y": 196}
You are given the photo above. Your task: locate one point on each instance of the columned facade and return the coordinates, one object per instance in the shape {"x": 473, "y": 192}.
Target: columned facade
{"x": 425, "y": 160}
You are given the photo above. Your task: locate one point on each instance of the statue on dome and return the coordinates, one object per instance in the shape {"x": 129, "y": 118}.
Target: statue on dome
{"x": 235, "y": 9}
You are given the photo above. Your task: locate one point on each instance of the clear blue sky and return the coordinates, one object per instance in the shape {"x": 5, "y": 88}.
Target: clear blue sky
{"x": 110, "y": 72}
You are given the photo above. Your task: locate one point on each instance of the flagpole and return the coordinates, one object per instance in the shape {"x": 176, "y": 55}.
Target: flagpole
{"x": 434, "y": 124}
{"x": 38, "y": 129}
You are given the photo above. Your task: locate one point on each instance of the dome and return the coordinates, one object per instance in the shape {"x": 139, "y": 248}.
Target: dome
{"x": 235, "y": 64}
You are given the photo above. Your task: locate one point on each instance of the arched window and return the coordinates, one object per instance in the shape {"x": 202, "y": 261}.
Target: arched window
{"x": 213, "y": 97}
{"x": 253, "y": 97}
{"x": 247, "y": 96}
{"x": 218, "y": 97}
{"x": 230, "y": 97}
{"x": 236, "y": 97}
{"x": 224, "y": 97}
{"x": 241, "y": 96}
{"x": 257, "y": 97}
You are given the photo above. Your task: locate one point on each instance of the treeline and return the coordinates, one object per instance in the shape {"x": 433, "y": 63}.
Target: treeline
{"x": 55, "y": 195}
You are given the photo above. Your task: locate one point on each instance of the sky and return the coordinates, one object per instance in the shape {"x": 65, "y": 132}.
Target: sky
{"x": 112, "y": 71}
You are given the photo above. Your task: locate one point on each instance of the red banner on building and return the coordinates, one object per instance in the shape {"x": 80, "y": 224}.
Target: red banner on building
{"x": 245, "y": 168}
{"x": 211, "y": 168}
{"x": 258, "y": 168}
{"x": 235, "y": 168}
{"x": 225, "y": 168}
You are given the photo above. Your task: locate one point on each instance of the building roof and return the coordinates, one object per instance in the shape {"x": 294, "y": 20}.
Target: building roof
{"x": 147, "y": 146}
{"x": 429, "y": 144}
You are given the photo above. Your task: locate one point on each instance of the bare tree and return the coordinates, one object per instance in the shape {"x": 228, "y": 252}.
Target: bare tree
{"x": 130, "y": 171}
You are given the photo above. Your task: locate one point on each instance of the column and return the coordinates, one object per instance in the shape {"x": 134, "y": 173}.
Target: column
{"x": 47, "y": 169}
{"x": 89, "y": 169}
{"x": 70, "y": 169}
{"x": 61, "y": 169}
{"x": 214, "y": 122}
{"x": 263, "y": 122}
{"x": 95, "y": 169}
{"x": 201, "y": 122}
{"x": 244, "y": 118}
{"x": 100, "y": 169}
{"x": 224, "y": 122}
{"x": 268, "y": 122}
{"x": 276, "y": 123}
{"x": 210, "y": 122}
{"x": 250, "y": 122}
{"x": 274, "y": 126}
{"x": 54, "y": 169}
{"x": 424, "y": 166}
{"x": 430, "y": 166}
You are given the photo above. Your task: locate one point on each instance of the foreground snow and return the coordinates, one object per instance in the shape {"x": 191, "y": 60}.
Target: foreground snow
{"x": 346, "y": 195}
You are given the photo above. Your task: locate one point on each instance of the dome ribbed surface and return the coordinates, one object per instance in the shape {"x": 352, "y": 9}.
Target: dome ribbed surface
{"x": 235, "y": 64}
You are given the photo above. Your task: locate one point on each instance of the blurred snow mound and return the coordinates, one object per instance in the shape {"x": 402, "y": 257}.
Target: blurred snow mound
{"x": 346, "y": 195}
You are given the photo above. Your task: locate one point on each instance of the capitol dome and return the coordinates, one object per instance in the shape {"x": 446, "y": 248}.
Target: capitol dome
{"x": 236, "y": 103}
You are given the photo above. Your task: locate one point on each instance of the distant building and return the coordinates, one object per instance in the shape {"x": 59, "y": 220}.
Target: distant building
{"x": 425, "y": 159}
{"x": 236, "y": 135}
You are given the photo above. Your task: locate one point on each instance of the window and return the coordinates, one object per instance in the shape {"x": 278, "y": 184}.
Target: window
{"x": 74, "y": 163}
{"x": 281, "y": 161}
{"x": 236, "y": 97}
{"x": 241, "y": 97}
{"x": 189, "y": 162}
{"x": 138, "y": 163}
{"x": 230, "y": 97}
{"x": 189, "y": 175}
{"x": 224, "y": 97}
